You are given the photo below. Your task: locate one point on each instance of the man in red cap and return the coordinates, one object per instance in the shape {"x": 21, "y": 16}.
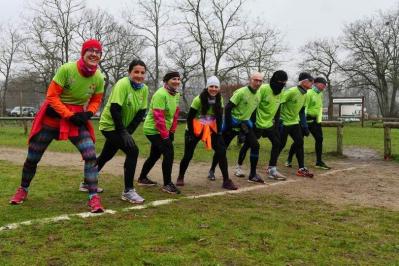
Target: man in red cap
{"x": 73, "y": 96}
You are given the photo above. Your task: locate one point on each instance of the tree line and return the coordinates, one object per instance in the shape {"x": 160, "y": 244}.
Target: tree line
{"x": 199, "y": 38}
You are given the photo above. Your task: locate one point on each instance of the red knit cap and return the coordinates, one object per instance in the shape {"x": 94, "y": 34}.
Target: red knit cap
{"x": 91, "y": 43}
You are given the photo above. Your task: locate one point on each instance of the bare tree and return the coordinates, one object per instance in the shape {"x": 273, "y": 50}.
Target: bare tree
{"x": 152, "y": 22}
{"x": 184, "y": 59}
{"x": 120, "y": 44}
{"x": 51, "y": 35}
{"x": 320, "y": 57}
{"x": 194, "y": 24}
{"x": 9, "y": 46}
{"x": 217, "y": 31}
{"x": 373, "y": 57}
{"x": 226, "y": 29}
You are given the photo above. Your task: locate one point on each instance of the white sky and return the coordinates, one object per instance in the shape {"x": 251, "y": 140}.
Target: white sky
{"x": 298, "y": 20}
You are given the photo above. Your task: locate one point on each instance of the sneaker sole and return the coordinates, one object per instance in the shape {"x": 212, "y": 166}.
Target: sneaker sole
{"x": 16, "y": 203}
{"x": 99, "y": 210}
{"x": 305, "y": 176}
{"x": 256, "y": 182}
{"x": 240, "y": 175}
{"x": 86, "y": 190}
{"x": 170, "y": 192}
{"x": 228, "y": 188}
{"x": 277, "y": 178}
{"x": 132, "y": 201}
{"x": 323, "y": 168}
{"x": 146, "y": 185}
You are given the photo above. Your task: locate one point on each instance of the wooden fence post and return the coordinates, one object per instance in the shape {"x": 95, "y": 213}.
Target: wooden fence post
{"x": 340, "y": 140}
{"x": 387, "y": 143}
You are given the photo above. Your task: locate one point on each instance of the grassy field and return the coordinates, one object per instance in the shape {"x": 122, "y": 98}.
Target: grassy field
{"x": 12, "y": 135}
{"x": 241, "y": 229}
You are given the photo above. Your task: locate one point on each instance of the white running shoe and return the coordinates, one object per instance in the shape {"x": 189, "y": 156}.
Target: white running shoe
{"x": 238, "y": 171}
{"x": 132, "y": 197}
{"x": 272, "y": 173}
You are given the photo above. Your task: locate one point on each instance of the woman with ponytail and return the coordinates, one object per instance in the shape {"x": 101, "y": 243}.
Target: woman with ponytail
{"x": 204, "y": 122}
{"x": 121, "y": 116}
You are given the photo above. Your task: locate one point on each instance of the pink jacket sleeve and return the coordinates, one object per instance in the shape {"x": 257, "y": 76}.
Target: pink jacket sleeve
{"x": 175, "y": 118}
{"x": 159, "y": 118}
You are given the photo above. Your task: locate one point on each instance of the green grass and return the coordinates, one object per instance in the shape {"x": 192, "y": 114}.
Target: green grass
{"x": 12, "y": 135}
{"x": 241, "y": 229}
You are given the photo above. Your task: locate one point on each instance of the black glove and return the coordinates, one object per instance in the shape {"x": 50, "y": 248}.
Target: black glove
{"x": 305, "y": 131}
{"x": 171, "y": 136}
{"x": 126, "y": 138}
{"x": 88, "y": 115}
{"x": 80, "y": 118}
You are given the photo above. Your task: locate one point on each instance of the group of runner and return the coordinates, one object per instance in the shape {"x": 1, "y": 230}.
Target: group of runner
{"x": 254, "y": 111}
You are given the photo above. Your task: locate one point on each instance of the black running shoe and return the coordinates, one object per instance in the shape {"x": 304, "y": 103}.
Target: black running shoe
{"x": 146, "y": 182}
{"x": 256, "y": 179}
{"x": 171, "y": 189}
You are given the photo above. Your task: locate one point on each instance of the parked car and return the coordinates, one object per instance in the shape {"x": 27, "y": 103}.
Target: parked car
{"x": 25, "y": 111}
{"x": 8, "y": 111}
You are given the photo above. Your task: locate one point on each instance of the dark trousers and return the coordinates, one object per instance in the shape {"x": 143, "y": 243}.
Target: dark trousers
{"x": 159, "y": 147}
{"x": 273, "y": 135}
{"x": 250, "y": 139}
{"x": 295, "y": 132}
{"x": 317, "y": 133}
{"x": 114, "y": 142}
{"x": 190, "y": 143}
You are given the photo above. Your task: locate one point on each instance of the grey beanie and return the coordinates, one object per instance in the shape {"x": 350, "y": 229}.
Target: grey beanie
{"x": 212, "y": 81}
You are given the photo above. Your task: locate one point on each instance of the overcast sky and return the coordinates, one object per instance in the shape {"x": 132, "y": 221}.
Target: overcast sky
{"x": 298, "y": 20}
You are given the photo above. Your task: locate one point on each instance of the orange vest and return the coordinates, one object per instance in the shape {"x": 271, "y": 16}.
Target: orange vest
{"x": 205, "y": 128}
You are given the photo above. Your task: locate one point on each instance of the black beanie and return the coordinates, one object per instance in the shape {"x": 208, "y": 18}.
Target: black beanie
{"x": 279, "y": 75}
{"x": 305, "y": 75}
{"x": 169, "y": 75}
{"x": 320, "y": 80}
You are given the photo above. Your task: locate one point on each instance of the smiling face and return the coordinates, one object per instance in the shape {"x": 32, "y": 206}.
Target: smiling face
{"x": 174, "y": 83}
{"x": 137, "y": 74}
{"x": 213, "y": 90}
{"x": 92, "y": 57}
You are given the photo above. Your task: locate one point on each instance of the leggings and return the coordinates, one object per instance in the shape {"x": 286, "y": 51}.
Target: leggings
{"x": 159, "y": 147}
{"x": 191, "y": 141}
{"x": 39, "y": 144}
{"x": 112, "y": 144}
{"x": 274, "y": 137}
{"x": 295, "y": 132}
{"x": 250, "y": 139}
{"x": 317, "y": 133}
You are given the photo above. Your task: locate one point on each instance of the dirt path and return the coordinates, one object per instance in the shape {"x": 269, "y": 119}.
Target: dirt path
{"x": 361, "y": 179}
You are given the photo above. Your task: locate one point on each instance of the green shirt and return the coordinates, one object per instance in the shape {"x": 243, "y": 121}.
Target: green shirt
{"x": 164, "y": 101}
{"x": 292, "y": 101}
{"x": 129, "y": 99}
{"x": 77, "y": 89}
{"x": 268, "y": 107}
{"x": 196, "y": 104}
{"x": 245, "y": 103}
{"x": 314, "y": 104}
